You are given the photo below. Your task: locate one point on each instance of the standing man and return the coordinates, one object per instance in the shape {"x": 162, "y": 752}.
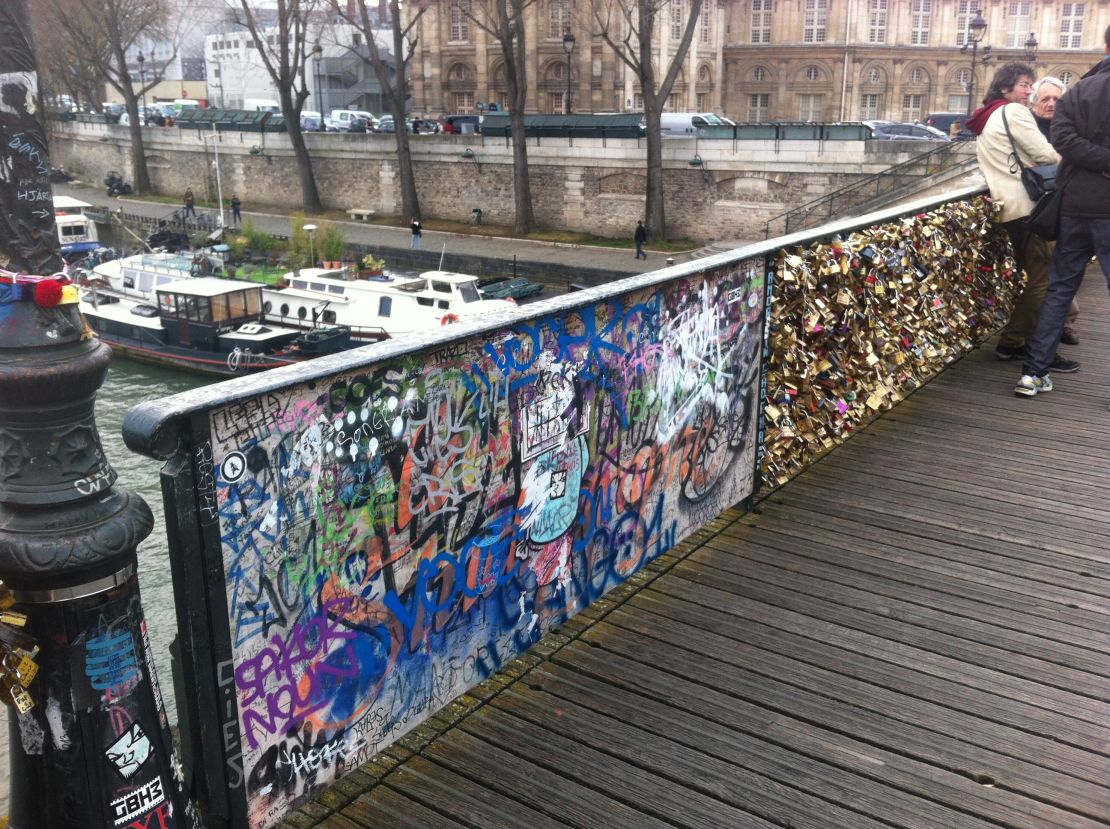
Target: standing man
{"x": 640, "y": 237}
{"x": 1046, "y": 92}
{"x": 236, "y": 209}
{"x": 1079, "y": 133}
{"x": 414, "y": 226}
{"x": 1008, "y": 96}
{"x": 190, "y": 201}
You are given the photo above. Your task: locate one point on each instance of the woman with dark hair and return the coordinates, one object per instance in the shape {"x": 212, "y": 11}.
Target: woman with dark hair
{"x": 1006, "y": 128}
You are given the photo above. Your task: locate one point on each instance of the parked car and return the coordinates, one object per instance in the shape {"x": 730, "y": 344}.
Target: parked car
{"x": 359, "y": 124}
{"x": 385, "y": 124}
{"x": 943, "y": 120}
{"x": 462, "y": 124}
{"x": 894, "y": 131}
{"x": 311, "y": 121}
{"x": 340, "y": 119}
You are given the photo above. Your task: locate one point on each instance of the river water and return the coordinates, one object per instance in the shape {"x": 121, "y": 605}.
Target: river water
{"x": 129, "y": 383}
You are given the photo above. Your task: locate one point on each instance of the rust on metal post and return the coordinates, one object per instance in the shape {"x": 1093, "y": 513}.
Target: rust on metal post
{"x": 89, "y": 739}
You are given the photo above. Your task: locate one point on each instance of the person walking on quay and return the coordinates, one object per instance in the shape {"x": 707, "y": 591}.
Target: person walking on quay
{"x": 1079, "y": 134}
{"x": 190, "y": 203}
{"x": 414, "y": 226}
{"x": 1046, "y": 92}
{"x": 640, "y": 237}
{"x": 236, "y": 209}
{"x": 1005, "y": 127}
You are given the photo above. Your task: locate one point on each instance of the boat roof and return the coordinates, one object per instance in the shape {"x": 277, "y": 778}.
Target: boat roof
{"x": 209, "y": 286}
{"x": 448, "y": 276}
{"x": 69, "y": 203}
{"x": 71, "y": 219}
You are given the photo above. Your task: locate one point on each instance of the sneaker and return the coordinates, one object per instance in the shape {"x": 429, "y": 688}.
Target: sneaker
{"x": 1069, "y": 337}
{"x": 1029, "y": 386}
{"x": 1011, "y": 352}
{"x": 1062, "y": 366}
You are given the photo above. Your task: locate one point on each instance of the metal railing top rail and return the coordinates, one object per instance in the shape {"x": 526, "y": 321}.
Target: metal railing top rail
{"x": 927, "y": 159}
{"x": 148, "y": 426}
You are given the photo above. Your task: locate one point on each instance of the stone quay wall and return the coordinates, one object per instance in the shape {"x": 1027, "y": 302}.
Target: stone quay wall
{"x": 592, "y": 185}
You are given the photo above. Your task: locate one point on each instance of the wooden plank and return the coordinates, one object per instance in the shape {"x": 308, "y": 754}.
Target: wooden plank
{"x": 470, "y": 804}
{"x": 784, "y": 740}
{"x": 788, "y": 590}
{"x": 725, "y": 782}
{"x": 383, "y": 807}
{"x": 526, "y": 780}
{"x": 933, "y": 611}
{"x": 895, "y": 555}
{"x": 964, "y": 564}
{"x": 1032, "y": 708}
{"x": 620, "y": 660}
{"x": 619, "y": 777}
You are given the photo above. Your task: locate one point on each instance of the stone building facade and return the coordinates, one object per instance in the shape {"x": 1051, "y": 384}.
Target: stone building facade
{"x": 761, "y": 60}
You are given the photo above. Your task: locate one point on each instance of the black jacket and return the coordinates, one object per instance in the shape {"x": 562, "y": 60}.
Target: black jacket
{"x": 1081, "y": 134}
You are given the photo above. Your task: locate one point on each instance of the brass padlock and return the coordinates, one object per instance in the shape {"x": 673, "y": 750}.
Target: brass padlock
{"x": 21, "y": 700}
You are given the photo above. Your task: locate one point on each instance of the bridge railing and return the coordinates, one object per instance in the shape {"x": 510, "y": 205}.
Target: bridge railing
{"x": 357, "y": 540}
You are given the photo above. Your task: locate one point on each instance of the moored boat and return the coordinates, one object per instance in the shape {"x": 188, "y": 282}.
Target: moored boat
{"x": 77, "y": 232}
{"x": 204, "y": 324}
{"x": 377, "y": 307}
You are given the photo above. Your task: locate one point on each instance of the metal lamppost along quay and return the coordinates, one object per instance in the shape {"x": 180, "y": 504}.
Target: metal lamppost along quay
{"x": 88, "y": 735}
{"x": 142, "y": 82}
{"x": 976, "y": 31}
{"x": 568, "y": 47}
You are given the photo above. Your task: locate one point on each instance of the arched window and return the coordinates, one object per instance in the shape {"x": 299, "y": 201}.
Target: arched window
{"x": 1067, "y": 77}
{"x": 812, "y": 73}
{"x": 704, "y": 75}
{"x": 917, "y": 75}
{"x": 963, "y": 77}
{"x": 874, "y": 75}
{"x": 760, "y": 74}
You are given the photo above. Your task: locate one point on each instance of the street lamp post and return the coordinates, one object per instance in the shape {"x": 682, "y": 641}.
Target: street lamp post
{"x": 568, "y": 47}
{"x": 1031, "y": 47}
{"x": 142, "y": 81}
{"x": 318, "y": 53}
{"x": 976, "y": 31}
{"x": 311, "y": 231}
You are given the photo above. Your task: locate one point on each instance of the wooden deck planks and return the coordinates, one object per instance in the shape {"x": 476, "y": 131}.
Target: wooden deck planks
{"x": 915, "y": 634}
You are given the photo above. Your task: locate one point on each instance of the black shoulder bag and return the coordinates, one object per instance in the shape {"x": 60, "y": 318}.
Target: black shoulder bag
{"x": 1040, "y": 184}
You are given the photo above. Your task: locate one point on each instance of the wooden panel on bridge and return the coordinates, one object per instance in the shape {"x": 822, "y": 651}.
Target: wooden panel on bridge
{"x": 913, "y": 633}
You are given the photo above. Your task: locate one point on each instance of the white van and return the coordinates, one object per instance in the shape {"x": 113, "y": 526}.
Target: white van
{"x": 185, "y": 103}
{"x": 261, "y": 105}
{"x": 687, "y": 124}
{"x": 341, "y": 119}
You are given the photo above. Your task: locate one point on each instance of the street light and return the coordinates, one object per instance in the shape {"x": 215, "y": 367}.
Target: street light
{"x": 568, "y": 47}
{"x": 976, "y": 31}
{"x": 1031, "y": 47}
{"x": 311, "y": 231}
{"x": 142, "y": 82}
{"x": 317, "y": 53}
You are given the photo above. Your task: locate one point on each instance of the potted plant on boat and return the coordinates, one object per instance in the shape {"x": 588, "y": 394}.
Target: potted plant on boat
{"x": 371, "y": 266}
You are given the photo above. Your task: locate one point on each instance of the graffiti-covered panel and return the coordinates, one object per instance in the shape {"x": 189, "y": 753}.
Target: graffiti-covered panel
{"x": 392, "y": 536}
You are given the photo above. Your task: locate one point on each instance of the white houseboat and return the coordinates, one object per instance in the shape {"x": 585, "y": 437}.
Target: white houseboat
{"x": 378, "y": 307}
{"x": 76, "y": 231}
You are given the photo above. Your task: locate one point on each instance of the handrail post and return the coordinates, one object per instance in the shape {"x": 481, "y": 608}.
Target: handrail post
{"x": 90, "y": 744}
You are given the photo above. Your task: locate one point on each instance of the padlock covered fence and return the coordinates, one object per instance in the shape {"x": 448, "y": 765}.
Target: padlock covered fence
{"x": 359, "y": 539}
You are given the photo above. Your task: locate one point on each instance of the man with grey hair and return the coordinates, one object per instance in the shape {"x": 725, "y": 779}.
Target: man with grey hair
{"x": 1046, "y": 92}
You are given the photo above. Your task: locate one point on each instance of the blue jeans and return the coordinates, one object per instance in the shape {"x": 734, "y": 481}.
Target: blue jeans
{"x": 415, "y": 243}
{"x": 640, "y": 250}
{"x": 1079, "y": 239}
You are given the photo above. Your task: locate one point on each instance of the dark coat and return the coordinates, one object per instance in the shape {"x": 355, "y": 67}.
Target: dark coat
{"x": 1081, "y": 134}
{"x": 641, "y": 233}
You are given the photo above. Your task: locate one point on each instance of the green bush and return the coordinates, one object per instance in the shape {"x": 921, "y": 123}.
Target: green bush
{"x": 256, "y": 239}
{"x": 328, "y": 244}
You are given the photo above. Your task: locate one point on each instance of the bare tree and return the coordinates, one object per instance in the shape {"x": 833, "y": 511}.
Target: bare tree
{"x": 503, "y": 20}
{"x": 393, "y": 80}
{"x": 103, "y": 34}
{"x": 628, "y": 26}
{"x": 284, "y": 49}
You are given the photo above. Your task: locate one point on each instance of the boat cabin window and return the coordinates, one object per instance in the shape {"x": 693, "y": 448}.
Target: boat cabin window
{"x": 469, "y": 292}
{"x": 72, "y": 230}
{"x": 267, "y": 306}
{"x": 329, "y": 316}
{"x": 320, "y": 286}
{"x": 385, "y": 306}
{"x": 302, "y": 312}
{"x": 441, "y": 287}
{"x": 335, "y": 289}
{"x": 423, "y": 300}
{"x": 284, "y": 309}
{"x": 443, "y": 303}
{"x": 301, "y": 283}
{"x": 129, "y": 279}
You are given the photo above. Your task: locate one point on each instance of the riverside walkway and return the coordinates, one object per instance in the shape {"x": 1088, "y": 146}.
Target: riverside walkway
{"x": 913, "y": 633}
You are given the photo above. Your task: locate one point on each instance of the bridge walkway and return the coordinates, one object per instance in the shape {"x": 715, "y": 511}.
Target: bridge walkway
{"x": 913, "y": 633}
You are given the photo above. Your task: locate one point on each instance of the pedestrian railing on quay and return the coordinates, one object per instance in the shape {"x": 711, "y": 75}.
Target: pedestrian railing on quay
{"x": 863, "y": 191}
{"x": 365, "y": 536}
